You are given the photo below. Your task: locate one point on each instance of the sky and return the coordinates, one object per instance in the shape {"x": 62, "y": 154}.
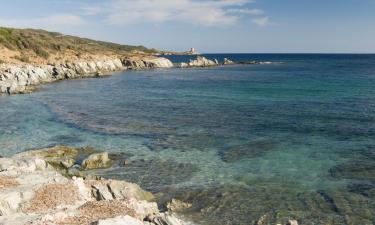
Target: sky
{"x": 211, "y": 26}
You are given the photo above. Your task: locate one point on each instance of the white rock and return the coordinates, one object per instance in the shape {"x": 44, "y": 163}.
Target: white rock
{"x": 122, "y": 220}
{"x": 292, "y": 222}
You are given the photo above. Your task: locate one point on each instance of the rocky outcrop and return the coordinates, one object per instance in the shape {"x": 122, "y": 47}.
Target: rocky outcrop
{"x": 200, "y": 61}
{"x": 33, "y": 192}
{"x": 147, "y": 63}
{"x": 228, "y": 62}
{"x": 22, "y": 78}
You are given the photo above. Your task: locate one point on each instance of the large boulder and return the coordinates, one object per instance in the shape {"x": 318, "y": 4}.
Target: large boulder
{"x": 96, "y": 161}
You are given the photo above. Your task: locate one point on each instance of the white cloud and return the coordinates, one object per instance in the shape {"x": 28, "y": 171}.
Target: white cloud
{"x": 262, "y": 21}
{"x": 247, "y": 11}
{"x": 91, "y": 10}
{"x": 125, "y": 12}
{"x": 49, "y": 22}
{"x": 203, "y": 12}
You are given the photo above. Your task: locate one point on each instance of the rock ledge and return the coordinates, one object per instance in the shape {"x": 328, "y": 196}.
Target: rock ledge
{"x": 33, "y": 192}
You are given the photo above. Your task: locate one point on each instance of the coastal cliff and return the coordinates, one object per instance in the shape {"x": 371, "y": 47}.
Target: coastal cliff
{"x": 34, "y": 189}
{"x": 29, "y": 57}
{"x": 22, "y": 78}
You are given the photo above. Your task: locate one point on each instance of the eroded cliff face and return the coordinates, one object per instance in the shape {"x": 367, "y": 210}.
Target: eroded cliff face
{"x": 22, "y": 78}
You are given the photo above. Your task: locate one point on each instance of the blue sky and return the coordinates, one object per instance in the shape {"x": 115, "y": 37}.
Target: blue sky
{"x": 343, "y": 26}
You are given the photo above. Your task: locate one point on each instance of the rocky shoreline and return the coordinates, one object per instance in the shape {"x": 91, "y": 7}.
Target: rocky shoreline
{"x": 16, "y": 79}
{"x": 36, "y": 188}
{"x": 58, "y": 186}
{"x": 24, "y": 78}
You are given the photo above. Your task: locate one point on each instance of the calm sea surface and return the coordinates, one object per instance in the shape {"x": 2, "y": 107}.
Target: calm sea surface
{"x": 291, "y": 139}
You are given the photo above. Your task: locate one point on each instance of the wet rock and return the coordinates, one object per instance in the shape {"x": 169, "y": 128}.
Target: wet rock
{"x": 176, "y": 205}
{"x": 126, "y": 162}
{"x": 60, "y": 157}
{"x": 76, "y": 171}
{"x": 96, "y": 161}
{"x": 50, "y": 153}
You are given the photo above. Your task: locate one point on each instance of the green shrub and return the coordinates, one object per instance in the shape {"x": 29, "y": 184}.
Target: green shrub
{"x": 42, "y": 53}
{"x": 22, "y": 58}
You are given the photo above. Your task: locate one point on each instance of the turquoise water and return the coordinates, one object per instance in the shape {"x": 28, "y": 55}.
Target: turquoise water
{"x": 292, "y": 139}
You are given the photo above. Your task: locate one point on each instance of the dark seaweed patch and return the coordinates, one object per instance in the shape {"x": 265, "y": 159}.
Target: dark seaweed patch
{"x": 355, "y": 169}
{"x": 248, "y": 150}
{"x": 66, "y": 139}
{"x": 329, "y": 200}
{"x": 365, "y": 189}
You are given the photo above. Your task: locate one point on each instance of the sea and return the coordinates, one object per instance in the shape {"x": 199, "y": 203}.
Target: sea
{"x": 292, "y": 137}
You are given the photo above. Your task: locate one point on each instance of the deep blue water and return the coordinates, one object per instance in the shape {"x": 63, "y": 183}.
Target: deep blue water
{"x": 293, "y": 139}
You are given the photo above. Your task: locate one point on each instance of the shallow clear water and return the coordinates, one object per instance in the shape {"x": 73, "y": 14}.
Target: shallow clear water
{"x": 293, "y": 139}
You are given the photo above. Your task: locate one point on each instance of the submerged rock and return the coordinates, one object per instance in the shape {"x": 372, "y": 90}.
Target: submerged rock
{"x": 248, "y": 150}
{"x": 149, "y": 173}
{"x": 176, "y": 205}
{"x": 355, "y": 169}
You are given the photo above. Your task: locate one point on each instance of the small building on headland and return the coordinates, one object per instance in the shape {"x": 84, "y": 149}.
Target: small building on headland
{"x": 192, "y": 52}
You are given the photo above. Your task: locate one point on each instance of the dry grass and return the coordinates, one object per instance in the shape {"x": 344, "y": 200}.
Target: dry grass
{"x": 39, "y": 46}
{"x": 51, "y": 196}
{"x": 8, "y": 182}
{"x": 91, "y": 212}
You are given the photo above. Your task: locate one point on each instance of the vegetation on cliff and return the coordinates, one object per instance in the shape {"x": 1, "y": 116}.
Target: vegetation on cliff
{"x": 30, "y": 45}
